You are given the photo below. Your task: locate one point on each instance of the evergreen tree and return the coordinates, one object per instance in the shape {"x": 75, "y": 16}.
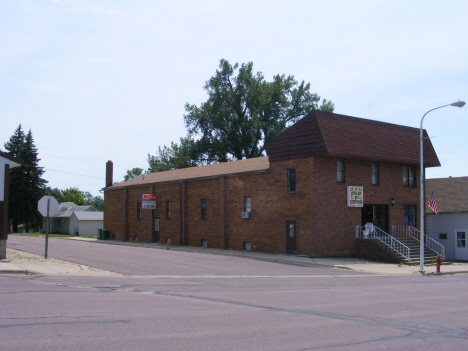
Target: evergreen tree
{"x": 26, "y": 183}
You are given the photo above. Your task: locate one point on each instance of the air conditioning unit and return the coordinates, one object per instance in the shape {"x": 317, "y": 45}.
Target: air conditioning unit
{"x": 245, "y": 215}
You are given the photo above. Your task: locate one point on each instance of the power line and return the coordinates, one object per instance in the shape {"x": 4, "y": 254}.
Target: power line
{"x": 81, "y": 175}
{"x": 86, "y": 158}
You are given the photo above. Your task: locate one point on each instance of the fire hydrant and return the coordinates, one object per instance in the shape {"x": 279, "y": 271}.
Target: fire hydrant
{"x": 439, "y": 260}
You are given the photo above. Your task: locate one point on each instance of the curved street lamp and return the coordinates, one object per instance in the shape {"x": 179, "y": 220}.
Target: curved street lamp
{"x": 421, "y": 182}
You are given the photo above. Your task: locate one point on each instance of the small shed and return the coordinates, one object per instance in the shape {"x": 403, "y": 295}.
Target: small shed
{"x": 86, "y": 223}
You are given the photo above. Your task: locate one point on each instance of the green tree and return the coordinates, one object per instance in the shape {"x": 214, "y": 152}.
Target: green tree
{"x": 176, "y": 156}
{"x": 73, "y": 195}
{"x": 98, "y": 203}
{"x": 55, "y": 192}
{"x": 133, "y": 173}
{"x": 26, "y": 183}
{"x": 87, "y": 197}
{"x": 244, "y": 112}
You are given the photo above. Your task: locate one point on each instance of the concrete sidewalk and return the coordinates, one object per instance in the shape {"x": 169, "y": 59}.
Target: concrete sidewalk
{"x": 16, "y": 266}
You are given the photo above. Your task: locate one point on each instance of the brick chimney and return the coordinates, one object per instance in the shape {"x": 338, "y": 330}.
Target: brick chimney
{"x": 109, "y": 173}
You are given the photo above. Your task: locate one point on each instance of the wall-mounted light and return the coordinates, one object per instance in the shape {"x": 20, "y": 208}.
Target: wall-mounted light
{"x": 393, "y": 202}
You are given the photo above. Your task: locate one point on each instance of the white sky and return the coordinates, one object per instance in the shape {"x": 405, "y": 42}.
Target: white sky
{"x": 108, "y": 80}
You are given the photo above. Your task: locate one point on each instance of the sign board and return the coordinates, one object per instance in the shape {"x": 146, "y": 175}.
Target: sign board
{"x": 355, "y": 196}
{"x": 148, "y": 202}
{"x": 42, "y": 206}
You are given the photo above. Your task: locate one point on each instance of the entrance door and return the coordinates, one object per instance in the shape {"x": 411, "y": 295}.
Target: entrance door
{"x": 155, "y": 237}
{"x": 461, "y": 249}
{"x": 377, "y": 214}
{"x": 291, "y": 237}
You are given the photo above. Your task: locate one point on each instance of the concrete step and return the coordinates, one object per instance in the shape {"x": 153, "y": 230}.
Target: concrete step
{"x": 415, "y": 249}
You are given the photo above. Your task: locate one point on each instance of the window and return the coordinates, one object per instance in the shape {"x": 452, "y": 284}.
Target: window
{"x": 375, "y": 174}
{"x": 291, "y": 179}
{"x": 340, "y": 171}
{"x": 139, "y": 210}
{"x": 409, "y": 215}
{"x": 247, "y": 204}
{"x": 443, "y": 236}
{"x": 461, "y": 240}
{"x": 168, "y": 210}
{"x": 203, "y": 208}
{"x": 409, "y": 176}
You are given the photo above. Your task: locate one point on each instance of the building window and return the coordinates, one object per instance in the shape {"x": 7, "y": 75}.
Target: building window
{"x": 375, "y": 174}
{"x": 340, "y": 171}
{"x": 461, "y": 239}
{"x": 409, "y": 215}
{"x": 291, "y": 179}
{"x": 443, "y": 236}
{"x": 168, "y": 210}
{"x": 247, "y": 204}
{"x": 203, "y": 208}
{"x": 409, "y": 176}
{"x": 138, "y": 210}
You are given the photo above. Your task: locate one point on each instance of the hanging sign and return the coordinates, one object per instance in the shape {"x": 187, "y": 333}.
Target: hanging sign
{"x": 148, "y": 202}
{"x": 355, "y": 196}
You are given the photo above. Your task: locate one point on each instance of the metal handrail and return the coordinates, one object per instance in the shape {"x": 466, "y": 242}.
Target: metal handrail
{"x": 431, "y": 244}
{"x": 385, "y": 238}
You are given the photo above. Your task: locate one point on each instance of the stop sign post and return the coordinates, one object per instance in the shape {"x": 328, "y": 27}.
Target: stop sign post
{"x": 47, "y": 205}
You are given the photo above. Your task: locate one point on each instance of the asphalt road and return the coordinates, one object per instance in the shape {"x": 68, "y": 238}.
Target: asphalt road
{"x": 168, "y": 300}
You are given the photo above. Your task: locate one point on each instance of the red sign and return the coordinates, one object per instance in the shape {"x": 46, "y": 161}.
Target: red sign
{"x": 149, "y": 197}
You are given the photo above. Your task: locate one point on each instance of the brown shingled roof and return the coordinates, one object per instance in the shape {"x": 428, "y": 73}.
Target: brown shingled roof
{"x": 451, "y": 194}
{"x": 259, "y": 164}
{"x": 322, "y": 133}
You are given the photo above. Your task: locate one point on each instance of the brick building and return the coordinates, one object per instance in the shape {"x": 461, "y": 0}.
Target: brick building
{"x": 293, "y": 201}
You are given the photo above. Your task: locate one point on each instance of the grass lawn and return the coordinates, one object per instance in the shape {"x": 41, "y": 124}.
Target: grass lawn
{"x": 53, "y": 235}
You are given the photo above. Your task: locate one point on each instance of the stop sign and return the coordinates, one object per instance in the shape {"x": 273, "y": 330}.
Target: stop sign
{"x": 42, "y": 206}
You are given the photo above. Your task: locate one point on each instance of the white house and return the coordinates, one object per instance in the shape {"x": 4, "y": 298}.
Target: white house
{"x": 450, "y": 226}
{"x": 76, "y": 220}
{"x": 6, "y": 162}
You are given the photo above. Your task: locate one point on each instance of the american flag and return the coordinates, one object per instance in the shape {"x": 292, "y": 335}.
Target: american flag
{"x": 432, "y": 204}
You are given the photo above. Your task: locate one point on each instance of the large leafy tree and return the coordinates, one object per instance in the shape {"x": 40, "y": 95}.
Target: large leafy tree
{"x": 134, "y": 173}
{"x": 74, "y": 195}
{"x": 244, "y": 112}
{"x": 176, "y": 156}
{"x": 26, "y": 183}
{"x": 97, "y": 202}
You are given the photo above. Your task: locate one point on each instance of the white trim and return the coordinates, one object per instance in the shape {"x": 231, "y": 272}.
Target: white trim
{"x": 455, "y": 231}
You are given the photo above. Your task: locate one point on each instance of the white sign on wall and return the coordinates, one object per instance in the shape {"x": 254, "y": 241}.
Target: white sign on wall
{"x": 148, "y": 202}
{"x": 355, "y": 196}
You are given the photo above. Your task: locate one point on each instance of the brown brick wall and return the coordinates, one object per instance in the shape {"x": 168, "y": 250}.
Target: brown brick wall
{"x": 369, "y": 250}
{"x": 197, "y": 228}
{"x": 325, "y": 225}
{"x": 334, "y": 222}
{"x": 272, "y": 205}
{"x": 114, "y": 203}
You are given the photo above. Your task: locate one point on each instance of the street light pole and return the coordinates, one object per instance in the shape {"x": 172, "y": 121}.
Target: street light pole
{"x": 421, "y": 182}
